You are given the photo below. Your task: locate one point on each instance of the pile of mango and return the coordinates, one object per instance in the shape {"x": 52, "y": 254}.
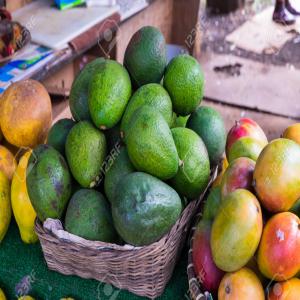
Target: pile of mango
{"x": 247, "y": 243}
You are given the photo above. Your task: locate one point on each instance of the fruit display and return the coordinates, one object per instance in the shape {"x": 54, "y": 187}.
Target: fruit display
{"x": 138, "y": 150}
{"x": 247, "y": 243}
{"x": 128, "y": 162}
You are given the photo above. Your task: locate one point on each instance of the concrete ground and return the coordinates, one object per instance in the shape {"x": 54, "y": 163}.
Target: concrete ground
{"x": 236, "y": 101}
{"x": 217, "y": 27}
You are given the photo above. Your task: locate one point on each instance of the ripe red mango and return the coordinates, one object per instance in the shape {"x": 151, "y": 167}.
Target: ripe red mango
{"x": 242, "y": 128}
{"x": 278, "y": 252}
{"x": 239, "y": 175}
{"x": 287, "y": 290}
{"x": 277, "y": 175}
{"x": 206, "y": 271}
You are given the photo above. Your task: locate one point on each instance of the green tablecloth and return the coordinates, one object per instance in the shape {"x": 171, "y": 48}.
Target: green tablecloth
{"x": 24, "y": 266}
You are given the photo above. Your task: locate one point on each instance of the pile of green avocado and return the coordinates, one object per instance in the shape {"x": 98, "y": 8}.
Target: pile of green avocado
{"x": 139, "y": 146}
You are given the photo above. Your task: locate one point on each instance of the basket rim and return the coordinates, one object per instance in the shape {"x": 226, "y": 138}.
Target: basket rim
{"x": 55, "y": 228}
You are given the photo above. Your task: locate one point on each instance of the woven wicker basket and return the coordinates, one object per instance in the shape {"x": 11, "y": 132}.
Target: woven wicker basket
{"x": 144, "y": 271}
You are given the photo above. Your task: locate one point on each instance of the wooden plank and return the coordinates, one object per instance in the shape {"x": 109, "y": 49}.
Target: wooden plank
{"x": 274, "y": 89}
{"x": 186, "y": 27}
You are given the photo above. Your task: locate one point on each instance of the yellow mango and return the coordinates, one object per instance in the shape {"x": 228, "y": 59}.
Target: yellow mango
{"x": 2, "y": 295}
{"x": 21, "y": 205}
{"x": 26, "y": 113}
{"x": 5, "y": 207}
{"x": 7, "y": 162}
{"x": 293, "y": 133}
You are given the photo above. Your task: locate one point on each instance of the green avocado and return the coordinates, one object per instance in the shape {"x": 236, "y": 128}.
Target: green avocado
{"x": 113, "y": 138}
{"x": 108, "y": 93}
{"x": 150, "y": 145}
{"x": 119, "y": 167}
{"x": 146, "y": 56}
{"x": 212, "y": 203}
{"x": 85, "y": 152}
{"x": 194, "y": 171}
{"x": 58, "y": 134}
{"x": 89, "y": 216}
{"x": 79, "y": 91}
{"x": 144, "y": 209}
{"x": 209, "y": 125}
{"x": 184, "y": 81}
{"x": 151, "y": 94}
{"x": 48, "y": 182}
